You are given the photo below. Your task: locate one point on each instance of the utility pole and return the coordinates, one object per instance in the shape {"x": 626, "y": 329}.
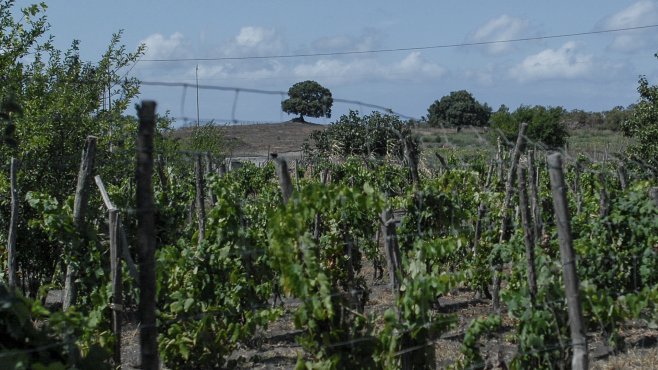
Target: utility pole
{"x": 197, "y": 96}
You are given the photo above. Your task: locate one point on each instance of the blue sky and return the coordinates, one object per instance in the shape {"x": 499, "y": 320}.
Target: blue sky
{"x": 593, "y": 72}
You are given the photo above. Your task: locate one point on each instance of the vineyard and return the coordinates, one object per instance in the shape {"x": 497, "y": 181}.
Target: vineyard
{"x": 365, "y": 253}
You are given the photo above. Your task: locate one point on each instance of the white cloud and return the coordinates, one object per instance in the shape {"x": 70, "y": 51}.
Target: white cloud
{"x": 563, "y": 63}
{"x": 162, "y": 47}
{"x": 504, "y": 27}
{"x": 412, "y": 67}
{"x": 641, "y": 13}
{"x": 254, "y": 41}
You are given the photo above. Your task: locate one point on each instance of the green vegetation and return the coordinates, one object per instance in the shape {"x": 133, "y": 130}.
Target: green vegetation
{"x": 458, "y": 109}
{"x": 545, "y": 125}
{"x": 643, "y": 126}
{"x": 308, "y": 98}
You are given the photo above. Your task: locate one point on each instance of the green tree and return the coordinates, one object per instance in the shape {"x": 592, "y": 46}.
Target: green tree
{"x": 375, "y": 135}
{"x": 308, "y": 98}
{"x": 643, "y": 126}
{"x": 545, "y": 124}
{"x": 458, "y": 109}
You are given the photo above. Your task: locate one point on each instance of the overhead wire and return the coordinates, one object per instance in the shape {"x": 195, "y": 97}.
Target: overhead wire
{"x": 413, "y": 48}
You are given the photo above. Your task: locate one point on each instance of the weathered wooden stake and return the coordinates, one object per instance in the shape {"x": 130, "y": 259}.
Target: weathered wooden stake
{"x": 528, "y": 233}
{"x": 535, "y": 201}
{"x": 210, "y": 168}
{"x": 200, "y": 197}
{"x": 506, "y": 219}
{"x": 281, "y": 167}
{"x": 297, "y": 174}
{"x": 13, "y": 225}
{"x": 79, "y": 209}
{"x": 115, "y": 273}
{"x": 571, "y": 283}
{"x": 623, "y": 176}
{"x": 604, "y": 208}
{"x": 125, "y": 247}
{"x": 392, "y": 251}
{"x": 148, "y": 333}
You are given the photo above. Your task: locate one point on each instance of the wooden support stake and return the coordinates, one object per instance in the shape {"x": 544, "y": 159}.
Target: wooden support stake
{"x": 506, "y": 219}
{"x": 210, "y": 168}
{"x": 392, "y": 251}
{"x": 528, "y": 233}
{"x": 79, "y": 209}
{"x": 13, "y": 225}
{"x": 115, "y": 273}
{"x": 623, "y": 176}
{"x": 604, "y": 207}
{"x": 200, "y": 197}
{"x": 148, "y": 333}
{"x": 125, "y": 247}
{"x": 535, "y": 201}
{"x": 285, "y": 182}
{"x": 571, "y": 283}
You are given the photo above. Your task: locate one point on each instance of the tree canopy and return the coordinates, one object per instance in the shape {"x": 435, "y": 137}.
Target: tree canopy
{"x": 308, "y": 98}
{"x": 459, "y": 108}
{"x": 643, "y": 126}
{"x": 545, "y": 124}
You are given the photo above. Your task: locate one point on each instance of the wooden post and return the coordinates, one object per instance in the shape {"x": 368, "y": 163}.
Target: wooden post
{"x": 443, "y": 162}
{"x": 297, "y": 174}
{"x": 13, "y": 225}
{"x": 499, "y": 158}
{"x": 125, "y": 248}
{"x": 210, "y": 168}
{"x": 535, "y": 201}
{"x": 281, "y": 167}
{"x": 392, "y": 251}
{"x": 148, "y": 333}
{"x": 411, "y": 161}
{"x": 200, "y": 197}
{"x": 482, "y": 210}
{"x": 571, "y": 283}
{"x": 528, "y": 233}
{"x": 623, "y": 176}
{"x": 79, "y": 209}
{"x": 603, "y": 197}
{"x": 115, "y": 273}
{"x": 506, "y": 219}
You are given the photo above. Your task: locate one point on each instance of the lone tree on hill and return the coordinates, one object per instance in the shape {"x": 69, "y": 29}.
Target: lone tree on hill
{"x": 458, "y": 109}
{"x": 308, "y": 98}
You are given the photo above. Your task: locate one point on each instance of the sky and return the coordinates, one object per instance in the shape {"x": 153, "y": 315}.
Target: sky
{"x": 593, "y": 72}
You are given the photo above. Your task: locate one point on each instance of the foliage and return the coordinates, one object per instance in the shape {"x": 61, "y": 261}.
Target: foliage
{"x": 545, "y": 125}
{"x": 458, "y": 109}
{"x": 308, "y": 98}
{"x": 49, "y": 345}
{"x": 371, "y": 136}
{"x": 470, "y": 346}
{"x": 643, "y": 127}
{"x": 323, "y": 272}
{"x": 405, "y": 337}
{"x": 215, "y": 293}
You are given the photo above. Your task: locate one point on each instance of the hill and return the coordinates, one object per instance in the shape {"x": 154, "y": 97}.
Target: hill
{"x": 258, "y": 139}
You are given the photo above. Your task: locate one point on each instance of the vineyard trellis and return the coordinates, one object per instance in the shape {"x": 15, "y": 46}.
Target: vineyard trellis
{"x": 443, "y": 229}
